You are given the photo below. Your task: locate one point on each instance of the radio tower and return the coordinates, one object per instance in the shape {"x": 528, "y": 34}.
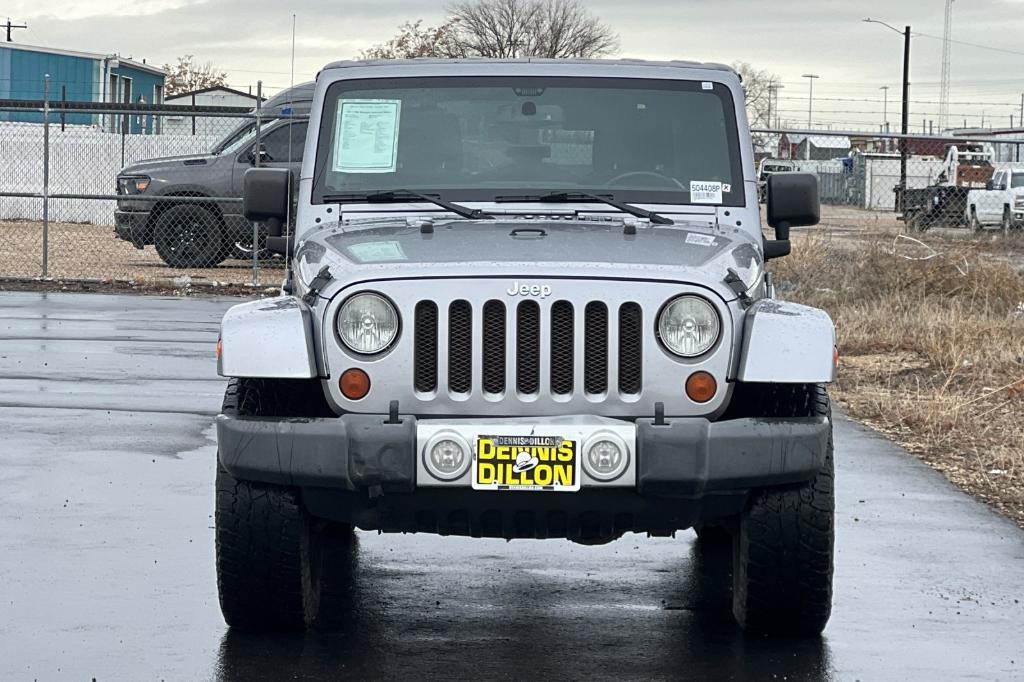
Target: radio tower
{"x": 944, "y": 80}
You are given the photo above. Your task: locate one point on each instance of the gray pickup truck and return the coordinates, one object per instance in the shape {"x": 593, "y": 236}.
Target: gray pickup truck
{"x": 525, "y": 299}
{"x": 196, "y": 235}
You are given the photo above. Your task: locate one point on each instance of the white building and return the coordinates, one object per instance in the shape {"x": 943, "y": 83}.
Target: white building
{"x": 219, "y": 96}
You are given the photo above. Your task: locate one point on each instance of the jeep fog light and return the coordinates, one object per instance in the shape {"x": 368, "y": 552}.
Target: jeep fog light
{"x": 605, "y": 456}
{"x": 688, "y": 326}
{"x": 367, "y": 323}
{"x": 446, "y": 456}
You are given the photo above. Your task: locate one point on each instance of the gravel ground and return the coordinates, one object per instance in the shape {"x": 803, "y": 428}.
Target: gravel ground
{"x": 81, "y": 251}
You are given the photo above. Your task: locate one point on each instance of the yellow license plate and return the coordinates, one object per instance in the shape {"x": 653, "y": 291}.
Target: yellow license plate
{"x": 542, "y": 463}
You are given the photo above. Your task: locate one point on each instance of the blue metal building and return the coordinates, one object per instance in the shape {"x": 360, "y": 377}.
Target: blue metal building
{"x": 79, "y": 77}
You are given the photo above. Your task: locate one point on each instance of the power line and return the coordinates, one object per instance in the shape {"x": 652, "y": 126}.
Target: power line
{"x": 977, "y": 45}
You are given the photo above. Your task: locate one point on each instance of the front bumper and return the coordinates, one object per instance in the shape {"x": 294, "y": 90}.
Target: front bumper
{"x": 132, "y": 226}
{"x": 681, "y": 458}
{"x": 361, "y": 469}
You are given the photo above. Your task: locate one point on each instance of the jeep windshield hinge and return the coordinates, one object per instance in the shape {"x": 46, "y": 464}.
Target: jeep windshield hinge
{"x": 735, "y": 283}
{"x": 318, "y": 283}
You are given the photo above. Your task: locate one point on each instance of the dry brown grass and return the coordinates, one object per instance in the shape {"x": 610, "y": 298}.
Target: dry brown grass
{"x": 931, "y": 339}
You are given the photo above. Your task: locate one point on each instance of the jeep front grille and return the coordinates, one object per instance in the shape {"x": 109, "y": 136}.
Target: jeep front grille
{"x": 546, "y": 340}
{"x": 481, "y": 347}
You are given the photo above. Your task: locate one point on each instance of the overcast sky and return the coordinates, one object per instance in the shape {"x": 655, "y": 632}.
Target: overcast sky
{"x": 251, "y": 40}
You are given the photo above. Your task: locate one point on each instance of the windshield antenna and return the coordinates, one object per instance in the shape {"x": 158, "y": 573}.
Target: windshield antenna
{"x": 291, "y": 179}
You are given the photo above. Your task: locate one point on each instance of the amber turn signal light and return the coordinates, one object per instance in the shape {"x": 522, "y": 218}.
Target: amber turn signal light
{"x": 701, "y": 387}
{"x": 354, "y": 384}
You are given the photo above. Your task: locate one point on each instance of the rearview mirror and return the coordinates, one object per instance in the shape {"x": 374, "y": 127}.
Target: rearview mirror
{"x": 266, "y": 197}
{"x": 792, "y": 202}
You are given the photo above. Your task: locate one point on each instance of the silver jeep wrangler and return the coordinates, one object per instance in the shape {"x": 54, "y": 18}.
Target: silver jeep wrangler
{"x": 525, "y": 299}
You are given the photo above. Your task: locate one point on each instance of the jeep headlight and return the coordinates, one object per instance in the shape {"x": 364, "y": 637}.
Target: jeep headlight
{"x": 367, "y": 323}
{"x": 688, "y": 326}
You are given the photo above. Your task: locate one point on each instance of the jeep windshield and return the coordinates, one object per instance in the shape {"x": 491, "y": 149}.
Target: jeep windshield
{"x": 478, "y": 138}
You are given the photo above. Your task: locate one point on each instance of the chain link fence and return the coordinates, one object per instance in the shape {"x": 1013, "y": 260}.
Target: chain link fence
{"x": 905, "y": 183}
{"x": 136, "y": 193}
{"x": 152, "y": 193}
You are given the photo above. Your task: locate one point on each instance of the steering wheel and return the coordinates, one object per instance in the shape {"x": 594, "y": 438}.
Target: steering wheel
{"x": 646, "y": 174}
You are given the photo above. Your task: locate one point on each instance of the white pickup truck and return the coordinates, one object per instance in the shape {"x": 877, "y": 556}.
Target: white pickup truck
{"x": 1000, "y": 203}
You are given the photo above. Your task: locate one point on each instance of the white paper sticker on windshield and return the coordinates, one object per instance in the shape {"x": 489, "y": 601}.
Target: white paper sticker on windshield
{"x": 705, "y": 192}
{"x": 366, "y": 136}
{"x": 702, "y": 239}
{"x": 377, "y": 252}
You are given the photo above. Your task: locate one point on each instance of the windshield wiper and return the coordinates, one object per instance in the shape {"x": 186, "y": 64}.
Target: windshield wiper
{"x": 576, "y": 195}
{"x": 400, "y": 195}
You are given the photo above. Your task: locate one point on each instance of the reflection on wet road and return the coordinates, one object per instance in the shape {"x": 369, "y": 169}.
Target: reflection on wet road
{"x": 106, "y": 549}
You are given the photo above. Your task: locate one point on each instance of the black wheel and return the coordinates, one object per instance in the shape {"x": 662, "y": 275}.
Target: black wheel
{"x": 975, "y": 224}
{"x": 189, "y": 236}
{"x": 912, "y": 220}
{"x": 783, "y": 549}
{"x": 278, "y": 568}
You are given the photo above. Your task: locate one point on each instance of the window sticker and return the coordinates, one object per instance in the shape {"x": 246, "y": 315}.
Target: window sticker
{"x": 706, "y": 85}
{"x": 726, "y": 188}
{"x": 366, "y": 136}
{"x": 702, "y": 192}
{"x": 377, "y": 252}
{"x": 701, "y": 239}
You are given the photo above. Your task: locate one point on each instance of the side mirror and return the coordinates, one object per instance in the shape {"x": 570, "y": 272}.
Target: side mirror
{"x": 792, "y": 202}
{"x": 261, "y": 153}
{"x": 266, "y": 197}
{"x": 989, "y": 186}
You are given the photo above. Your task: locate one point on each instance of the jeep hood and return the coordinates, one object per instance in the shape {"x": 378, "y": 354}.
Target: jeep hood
{"x": 374, "y": 249}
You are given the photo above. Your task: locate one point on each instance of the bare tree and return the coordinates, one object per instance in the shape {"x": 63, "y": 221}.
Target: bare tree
{"x": 415, "y": 40}
{"x": 761, "y": 87}
{"x": 187, "y": 76}
{"x": 530, "y": 28}
{"x": 504, "y": 28}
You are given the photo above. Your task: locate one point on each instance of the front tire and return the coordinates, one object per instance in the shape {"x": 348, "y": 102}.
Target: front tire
{"x": 278, "y": 568}
{"x": 783, "y": 549}
{"x": 189, "y": 236}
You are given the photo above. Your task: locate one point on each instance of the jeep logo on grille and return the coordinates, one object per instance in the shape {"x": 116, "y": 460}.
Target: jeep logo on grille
{"x": 540, "y": 290}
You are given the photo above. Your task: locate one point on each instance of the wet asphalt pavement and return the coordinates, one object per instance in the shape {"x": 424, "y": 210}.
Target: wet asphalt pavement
{"x": 106, "y": 549}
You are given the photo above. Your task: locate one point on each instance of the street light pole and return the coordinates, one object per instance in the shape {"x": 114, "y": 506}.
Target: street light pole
{"x": 906, "y": 115}
{"x": 810, "y": 108}
{"x": 885, "y": 108}
{"x": 905, "y": 119}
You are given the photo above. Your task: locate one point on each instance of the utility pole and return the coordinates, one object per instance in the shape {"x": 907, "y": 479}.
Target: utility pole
{"x": 776, "y": 88}
{"x": 944, "y": 80}
{"x": 885, "y": 108}
{"x": 906, "y": 117}
{"x": 810, "y": 107}
{"x": 773, "y": 100}
{"x": 11, "y": 26}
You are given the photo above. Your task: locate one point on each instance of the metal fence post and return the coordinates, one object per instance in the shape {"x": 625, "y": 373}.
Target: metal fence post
{"x": 255, "y": 226}
{"x": 46, "y": 175}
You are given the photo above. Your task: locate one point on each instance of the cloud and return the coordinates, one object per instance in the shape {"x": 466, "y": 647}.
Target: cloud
{"x": 251, "y": 39}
